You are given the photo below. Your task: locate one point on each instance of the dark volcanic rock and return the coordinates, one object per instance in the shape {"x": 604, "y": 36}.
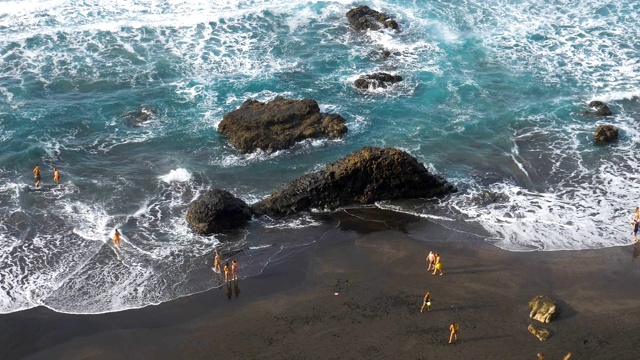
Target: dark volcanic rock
{"x": 606, "y": 133}
{"x": 363, "y": 177}
{"x": 365, "y": 18}
{"x": 599, "y": 108}
{"x": 376, "y": 80}
{"x": 278, "y": 124}
{"x": 139, "y": 117}
{"x": 216, "y": 211}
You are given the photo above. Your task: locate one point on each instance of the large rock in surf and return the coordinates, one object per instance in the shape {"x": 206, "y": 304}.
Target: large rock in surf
{"x": 599, "y": 108}
{"x": 278, "y": 124}
{"x": 216, "y": 211}
{"x": 543, "y": 309}
{"x": 363, "y": 177}
{"x": 365, "y": 18}
{"x": 605, "y": 133}
{"x": 376, "y": 80}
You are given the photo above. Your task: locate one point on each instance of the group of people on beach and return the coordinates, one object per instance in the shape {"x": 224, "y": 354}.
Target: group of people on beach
{"x": 36, "y": 175}
{"x": 230, "y": 272}
{"x": 435, "y": 262}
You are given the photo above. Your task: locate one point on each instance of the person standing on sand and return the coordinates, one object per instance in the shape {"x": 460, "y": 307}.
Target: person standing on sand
{"x": 431, "y": 259}
{"x": 426, "y": 301}
{"x": 438, "y": 265}
{"x": 116, "y": 239}
{"x": 36, "y": 175}
{"x": 227, "y": 271}
{"x": 216, "y": 262}
{"x": 56, "y": 175}
{"x": 454, "y": 332}
{"x": 234, "y": 269}
{"x": 636, "y": 227}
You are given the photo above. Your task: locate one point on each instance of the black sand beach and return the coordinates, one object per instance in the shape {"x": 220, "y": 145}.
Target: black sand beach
{"x": 376, "y": 265}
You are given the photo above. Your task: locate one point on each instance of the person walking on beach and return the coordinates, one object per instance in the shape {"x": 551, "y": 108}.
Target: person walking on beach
{"x": 216, "y": 262}
{"x": 438, "y": 265}
{"x": 431, "y": 259}
{"x": 454, "y": 332}
{"x": 426, "y": 301}
{"x": 116, "y": 239}
{"x": 234, "y": 269}
{"x": 227, "y": 272}
{"x": 636, "y": 227}
{"x": 36, "y": 175}
{"x": 56, "y": 175}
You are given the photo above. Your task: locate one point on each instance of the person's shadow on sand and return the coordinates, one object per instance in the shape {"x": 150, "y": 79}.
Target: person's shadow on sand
{"x": 229, "y": 293}
{"x": 236, "y": 288}
{"x": 635, "y": 253}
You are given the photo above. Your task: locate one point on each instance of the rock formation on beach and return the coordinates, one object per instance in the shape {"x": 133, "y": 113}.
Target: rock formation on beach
{"x": 376, "y": 80}
{"x": 364, "y": 18}
{"x": 363, "y": 177}
{"x": 541, "y": 333}
{"x": 605, "y": 133}
{"x": 278, "y": 124}
{"x": 543, "y": 309}
{"x": 216, "y": 211}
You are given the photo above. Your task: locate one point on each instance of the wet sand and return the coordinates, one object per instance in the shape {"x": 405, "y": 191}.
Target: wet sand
{"x": 376, "y": 266}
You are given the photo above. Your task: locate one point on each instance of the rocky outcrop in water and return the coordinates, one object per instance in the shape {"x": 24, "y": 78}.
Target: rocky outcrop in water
{"x": 487, "y": 197}
{"x": 364, "y": 18}
{"x": 216, "y": 211}
{"x": 605, "y": 133}
{"x": 363, "y": 177}
{"x": 599, "y": 108}
{"x": 376, "y": 80}
{"x": 543, "y": 309}
{"x": 139, "y": 117}
{"x": 278, "y": 124}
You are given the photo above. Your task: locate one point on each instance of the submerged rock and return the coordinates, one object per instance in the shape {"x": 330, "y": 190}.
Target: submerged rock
{"x": 487, "y": 197}
{"x": 376, "y": 80}
{"x": 216, "y": 211}
{"x": 543, "y": 309}
{"x": 599, "y": 108}
{"x": 278, "y": 124}
{"x": 139, "y": 117}
{"x": 606, "y": 133}
{"x": 363, "y": 177}
{"x": 365, "y": 18}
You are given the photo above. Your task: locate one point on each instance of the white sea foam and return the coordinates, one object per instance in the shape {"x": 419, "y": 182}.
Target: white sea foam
{"x": 180, "y": 175}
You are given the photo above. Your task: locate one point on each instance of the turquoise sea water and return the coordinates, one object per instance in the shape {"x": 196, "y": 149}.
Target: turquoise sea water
{"x": 492, "y": 99}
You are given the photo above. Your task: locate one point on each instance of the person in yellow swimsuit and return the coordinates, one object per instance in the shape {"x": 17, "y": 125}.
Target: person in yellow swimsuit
{"x": 36, "y": 175}
{"x": 56, "y": 175}
{"x": 116, "y": 239}
{"x": 438, "y": 265}
{"x": 454, "y": 332}
{"x": 227, "y": 271}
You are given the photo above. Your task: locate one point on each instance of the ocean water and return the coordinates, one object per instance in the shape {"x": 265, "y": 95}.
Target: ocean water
{"x": 492, "y": 99}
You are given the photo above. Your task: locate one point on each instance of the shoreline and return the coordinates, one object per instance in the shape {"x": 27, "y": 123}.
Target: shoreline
{"x": 375, "y": 263}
